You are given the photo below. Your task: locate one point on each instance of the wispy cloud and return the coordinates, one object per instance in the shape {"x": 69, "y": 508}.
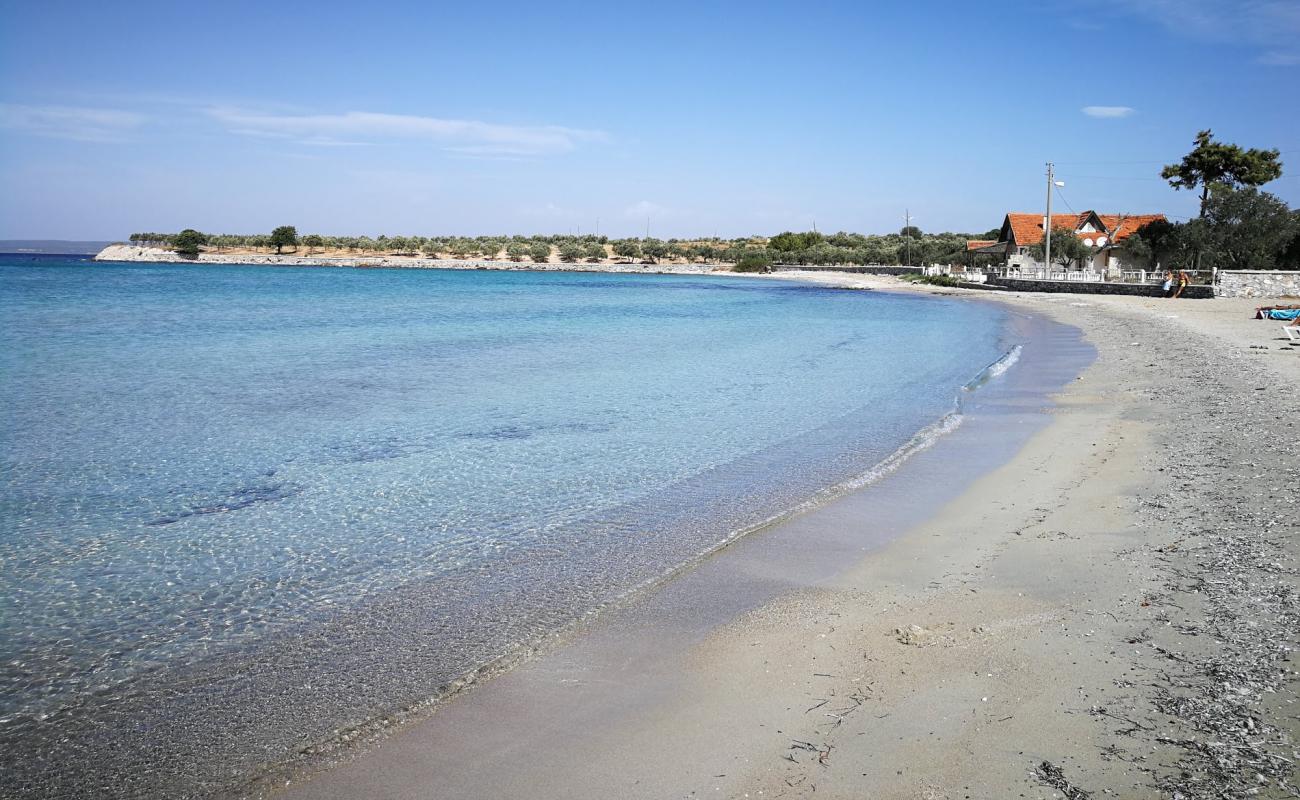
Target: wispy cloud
{"x": 70, "y": 122}
{"x": 468, "y": 137}
{"x": 1107, "y": 112}
{"x": 644, "y": 208}
{"x": 1280, "y": 58}
{"x": 1273, "y": 25}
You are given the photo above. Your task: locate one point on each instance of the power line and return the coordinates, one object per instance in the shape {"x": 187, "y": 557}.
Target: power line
{"x": 1063, "y": 200}
{"x": 1116, "y": 177}
{"x": 1172, "y": 159}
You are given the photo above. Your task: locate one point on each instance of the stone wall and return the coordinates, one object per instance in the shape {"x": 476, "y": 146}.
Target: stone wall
{"x": 1258, "y": 283}
{"x": 1194, "y": 291}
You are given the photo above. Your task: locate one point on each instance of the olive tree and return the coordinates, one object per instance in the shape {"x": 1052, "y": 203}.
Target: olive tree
{"x": 1066, "y": 247}
{"x": 284, "y": 236}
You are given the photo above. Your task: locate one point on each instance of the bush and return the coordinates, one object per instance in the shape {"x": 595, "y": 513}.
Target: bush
{"x": 539, "y": 252}
{"x": 753, "y": 262}
{"x": 933, "y": 280}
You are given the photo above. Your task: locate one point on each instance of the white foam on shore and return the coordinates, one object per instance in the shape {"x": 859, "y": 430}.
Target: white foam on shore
{"x": 999, "y": 367}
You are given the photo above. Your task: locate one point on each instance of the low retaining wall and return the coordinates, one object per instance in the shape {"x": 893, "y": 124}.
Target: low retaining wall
{"x": 1195, "y": 291}
{"x": 1258, "y": 283}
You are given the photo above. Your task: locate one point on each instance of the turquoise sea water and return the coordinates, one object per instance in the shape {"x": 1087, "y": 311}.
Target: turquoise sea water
{"x": 245, "y": 508}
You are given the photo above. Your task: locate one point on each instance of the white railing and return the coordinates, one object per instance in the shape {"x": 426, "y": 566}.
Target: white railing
{"x": 1052, "y": 275}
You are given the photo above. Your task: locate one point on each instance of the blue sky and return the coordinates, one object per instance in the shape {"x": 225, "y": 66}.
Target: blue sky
{"x": 706, "y": 118}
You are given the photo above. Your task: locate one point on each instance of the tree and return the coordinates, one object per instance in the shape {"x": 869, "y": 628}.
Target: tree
{"x": 187, "y": 243}
{"x": 312, "y": 240}
{"x": 654, "y": 249}
{"x": 1247, "y": 228}
{"x": 789, "y": 242}
{"x": 539, "y": 252}
{"x": 284, "y": 236}
{"x": 594, "y": 251}
{"x": 910, "y": 232}
{"x": 1291, "y": 254}
{"x": 1154, "y": 244}
{"x": 627, "y": 248}
{"x": 517, "y": 251}
{"x": 1066, "y": 247}
{"x": 1212, "y": 162}
{"x": 571, "y": 251}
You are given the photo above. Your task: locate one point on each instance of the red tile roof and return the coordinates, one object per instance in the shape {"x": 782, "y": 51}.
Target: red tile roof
{"x": 975, "y": 244}
{"x": 1123, "y": 227}
{"x": 1027, "y": 229}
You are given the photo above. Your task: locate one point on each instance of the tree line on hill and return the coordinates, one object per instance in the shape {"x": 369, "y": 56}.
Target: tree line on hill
{"x": 908, "y": 246}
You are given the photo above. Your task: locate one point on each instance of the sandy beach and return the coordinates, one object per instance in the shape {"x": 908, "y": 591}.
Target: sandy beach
{"x": 1111, "y": 611}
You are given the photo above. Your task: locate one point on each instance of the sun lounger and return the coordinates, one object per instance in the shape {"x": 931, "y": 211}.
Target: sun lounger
{"x": 1292, "y": 332}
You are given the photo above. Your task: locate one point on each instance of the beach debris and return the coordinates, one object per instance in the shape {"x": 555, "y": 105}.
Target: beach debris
{"x": 912, "y": 634}
{"x": 1051, "y": 775}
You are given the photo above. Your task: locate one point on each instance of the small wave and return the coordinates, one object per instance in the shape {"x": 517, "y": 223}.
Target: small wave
{"x": 999, "y": 367}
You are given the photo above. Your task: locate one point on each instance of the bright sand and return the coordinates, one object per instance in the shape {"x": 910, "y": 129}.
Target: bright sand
{"x": 1111, "y": 610}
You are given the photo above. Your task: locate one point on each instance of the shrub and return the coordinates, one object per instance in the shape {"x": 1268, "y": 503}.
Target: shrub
{"x": 753, "y": 262}
{"x": 933, "y": 280}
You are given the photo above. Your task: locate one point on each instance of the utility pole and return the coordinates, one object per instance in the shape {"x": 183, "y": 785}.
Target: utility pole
{"x": 1047, "y": 224}
{"x": 647, "y": 227}
{"x": 907, "y": 234}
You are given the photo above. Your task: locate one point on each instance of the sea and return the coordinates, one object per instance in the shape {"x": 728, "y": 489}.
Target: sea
{"x": 249, "y": 513}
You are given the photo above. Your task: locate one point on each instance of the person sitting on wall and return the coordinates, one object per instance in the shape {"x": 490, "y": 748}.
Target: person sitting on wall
{"x": 1183, "y": 280}
{"x": 1168, "y": 286}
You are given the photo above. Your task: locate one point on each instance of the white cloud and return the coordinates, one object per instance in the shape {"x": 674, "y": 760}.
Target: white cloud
{"x": 471, "y": 137}
{"x": 70, "y": 122}
{"x": 1107, "y": 112}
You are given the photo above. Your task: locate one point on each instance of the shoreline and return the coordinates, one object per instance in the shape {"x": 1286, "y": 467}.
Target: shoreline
{"x": 1062, "y": 598}
{"x": 219, "y": 671}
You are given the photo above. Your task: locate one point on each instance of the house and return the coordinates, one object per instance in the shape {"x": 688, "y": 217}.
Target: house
{"x": 1101, "y": 233}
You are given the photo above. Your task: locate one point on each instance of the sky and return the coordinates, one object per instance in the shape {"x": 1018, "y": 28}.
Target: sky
{"x": 683, "y": 119}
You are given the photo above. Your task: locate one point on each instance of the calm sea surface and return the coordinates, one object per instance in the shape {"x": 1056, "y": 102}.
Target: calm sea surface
{"x": 246, "y": 508}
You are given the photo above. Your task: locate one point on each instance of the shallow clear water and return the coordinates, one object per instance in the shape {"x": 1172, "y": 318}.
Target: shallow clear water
{"x": 401, "y": 473}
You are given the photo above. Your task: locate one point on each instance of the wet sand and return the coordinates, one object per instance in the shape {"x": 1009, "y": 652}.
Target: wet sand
{"x": 1099, "y": 597}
